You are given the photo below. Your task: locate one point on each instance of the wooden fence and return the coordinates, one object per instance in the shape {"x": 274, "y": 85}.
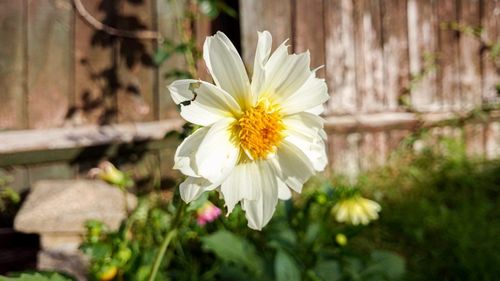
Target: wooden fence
{"x": 391, "y": 66}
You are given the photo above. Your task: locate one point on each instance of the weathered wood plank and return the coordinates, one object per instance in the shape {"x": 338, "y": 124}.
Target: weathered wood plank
{"x": 369, "y": 55}
{"x": 492, "y": 138}
{"x": 340, "y": 56}
{"x": 395, "y": 46}
{"x": 12, "y": 65}
{"x": 490, "y": 20}
{"x": 422, "y": 48}
{"x": 257, "y": 15}
{"x": 470, "y": 56}
{"x": 95, "y": 89}
{"x": 168, "y": 13}
{"x": 136, "y": 70}
{"x": 373, "y": 150}
{"x": 344, "y": 154}
{"x": 448, "y": 72}
{"x": 309, "y": 31}
{"x": 474, "y": 139}
{"x": 50, "y": 68}
{"x": 82, "y": 136}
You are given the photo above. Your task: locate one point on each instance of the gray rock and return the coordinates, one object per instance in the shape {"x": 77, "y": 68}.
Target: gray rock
{"x": 63, "y": 206}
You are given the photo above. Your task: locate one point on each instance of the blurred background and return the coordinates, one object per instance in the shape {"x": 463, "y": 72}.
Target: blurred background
{"x": 83, "y": 81}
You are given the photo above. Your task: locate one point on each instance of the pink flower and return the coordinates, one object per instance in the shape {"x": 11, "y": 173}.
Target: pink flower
{"x": 207, "y": 213}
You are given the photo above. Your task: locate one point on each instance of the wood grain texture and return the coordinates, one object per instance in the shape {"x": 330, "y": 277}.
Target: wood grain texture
{"x": 309, "y": 31}
{"x": 95, "y": 101}
{"x": 492, "y": 139}
{"x": 369, "y": 55}
{"x": 474, "y": 137}
{"x": 490, "y": 20}
{"x": 136, "y": 71}
{"x": 395, "y": 47}
{"x": 257, "y": 15}
{"x": 345, "y": 154}
{"x": 448, "y": 57}
{"x": 470, "y": 56}
{"x": 422, "y": 48}
{"x": 168, "y": 13}
{"x": 12, "y": 65}
{"x": 50, "y": 70}
{"x": 340, "y": 56}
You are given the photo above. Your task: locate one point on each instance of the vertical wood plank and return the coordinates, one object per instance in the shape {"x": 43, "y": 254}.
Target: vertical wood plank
{"x": 93, "y": 61}
{"x": 469, "y": 56}
{"x": 369, "y": 55}
{"x": 12, "y": 65}
{"x": 395, "y": 46}
{"x": 340, "y": 56}
{"x": 422, "y": 48}
{"x": 168, "y": 13}
{"x": 474, "y": 139}
{"x": 448, "y": 73}
{"x": 490, "y": 20}
{"x": 373, "y": 150}
{"x": 492, "y": 139}
{"x": 136, "y": 96}
{"x": 309, "y": 31}
{"x": 257, "y": 15}
{"x": 344, "y": 152}
{"x": 50, "y": 69}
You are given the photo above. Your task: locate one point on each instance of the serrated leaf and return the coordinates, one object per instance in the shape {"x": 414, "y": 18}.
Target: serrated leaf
{"x": 285, "y": 267}
{"x": 231, "y": 248}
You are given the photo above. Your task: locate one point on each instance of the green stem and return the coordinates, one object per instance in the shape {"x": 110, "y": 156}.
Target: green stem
{"x": 166, "y": 241}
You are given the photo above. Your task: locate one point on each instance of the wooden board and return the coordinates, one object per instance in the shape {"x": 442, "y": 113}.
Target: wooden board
{"x": 490, "y": 20}
{"x": 136, "y": 71}
{"x": 395, "y": 47}
{"x": 369, "y": 56}
{"x": 470, "y": 56}
{"x": 448, "y": 56}
{"x": 309, "y": 31}
{"x": 422, "y": 49}
{"x": 257, "y": 15}
{"x": 12, "y": 65}
{"x": 95, "y": 93}
{"x": 340, "y": 56}
{"x": 50, "y": 65}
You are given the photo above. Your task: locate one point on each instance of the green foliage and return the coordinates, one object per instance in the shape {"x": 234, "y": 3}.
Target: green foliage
{"x": 440, "y": 212}
{"x": 37, "y": 276}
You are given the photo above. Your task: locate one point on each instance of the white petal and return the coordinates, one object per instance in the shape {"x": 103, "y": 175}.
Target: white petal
{"x": 260, "y": 210}
{"x": 240, "y": 184}
{"x": 285, "y": 74}
{"x": 305, "y": 131}
{"x": 208, "y": 106}
{"x": 217, "y": 154}
{"x": 317, "y": 110}
{"x": 192, "y": 188}
{"x": 227, "y": 68}
{"x": 294, "y": 166}
{"x": 185, "y": 154}
{"x": 284, "y": 193}
{"x": 313, "y": 93}
{"x": 261, "y": 56}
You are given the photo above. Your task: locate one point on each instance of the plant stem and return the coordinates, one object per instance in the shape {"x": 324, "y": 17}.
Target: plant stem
{"x": 166, "y": 241}
{"x": 159, "y": 257}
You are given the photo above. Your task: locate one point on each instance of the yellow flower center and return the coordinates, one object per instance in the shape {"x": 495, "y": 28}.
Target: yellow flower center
{"x": 259, "y": 130}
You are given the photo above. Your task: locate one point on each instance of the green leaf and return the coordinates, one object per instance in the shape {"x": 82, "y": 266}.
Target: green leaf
{"x": 231, "y": 248}
{"x": 37, "y": 276}
{"x": 198, "y": 203}
{"x": 328, "y": 270}
{"x": 386, "y": 264}
{"x": 285, "y": 267}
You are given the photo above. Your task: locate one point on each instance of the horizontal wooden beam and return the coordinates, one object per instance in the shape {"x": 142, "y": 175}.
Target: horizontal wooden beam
{"x": 91, "y": 142}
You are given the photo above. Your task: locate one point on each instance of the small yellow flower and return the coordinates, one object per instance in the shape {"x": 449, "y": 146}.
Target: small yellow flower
{"x": 110, "y": 174}
{"x": 356, "y": 210}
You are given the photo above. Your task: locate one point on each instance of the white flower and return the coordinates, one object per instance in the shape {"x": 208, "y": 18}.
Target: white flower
{"x": 356, "y": 210}
{"x": 258, "y": 139}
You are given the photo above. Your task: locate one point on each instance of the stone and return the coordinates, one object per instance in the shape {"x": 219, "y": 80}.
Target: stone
{"x": 63, "y": 206}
